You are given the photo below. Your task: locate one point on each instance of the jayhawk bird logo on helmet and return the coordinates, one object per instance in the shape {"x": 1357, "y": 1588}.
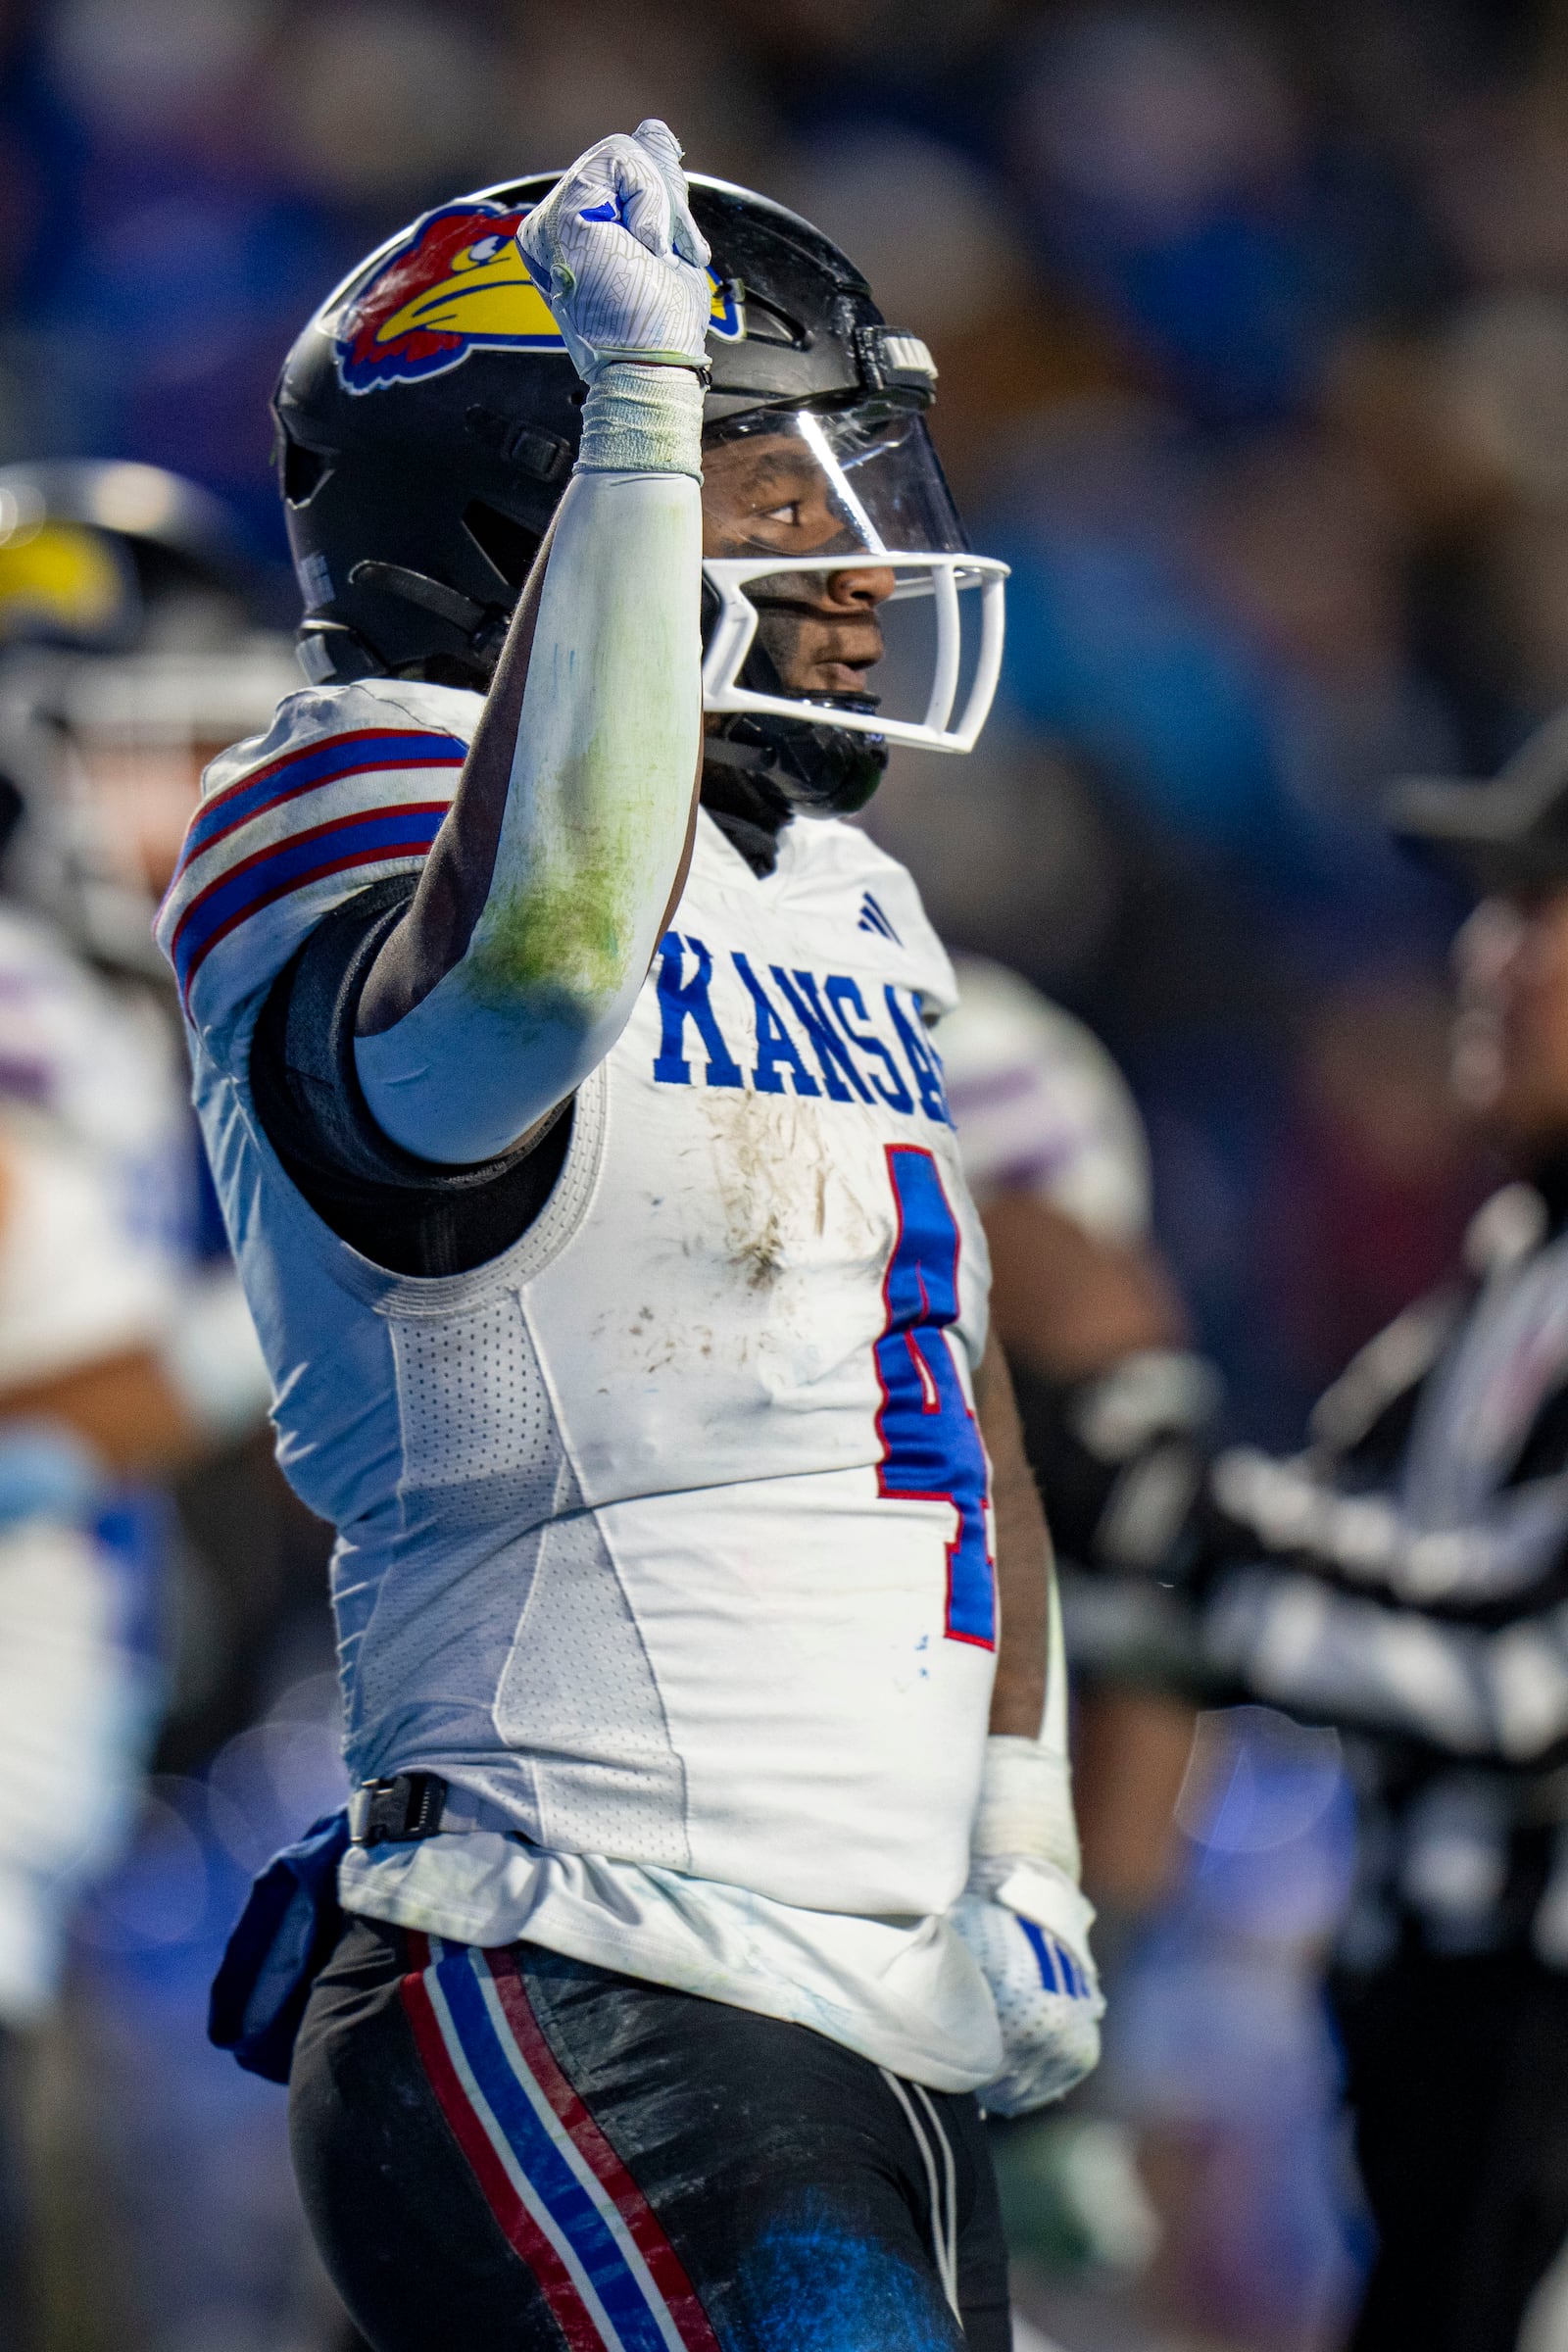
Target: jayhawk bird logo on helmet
{"x": 456, "y": 283}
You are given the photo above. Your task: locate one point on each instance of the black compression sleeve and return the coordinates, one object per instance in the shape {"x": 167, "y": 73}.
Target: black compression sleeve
{"x": 410, "y": 1216}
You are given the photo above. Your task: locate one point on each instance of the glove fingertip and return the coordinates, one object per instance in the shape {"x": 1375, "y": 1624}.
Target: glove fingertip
{"x": 656, "y": 134}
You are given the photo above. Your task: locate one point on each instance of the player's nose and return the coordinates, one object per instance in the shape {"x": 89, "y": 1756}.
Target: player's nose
{"x": 862, "y": 590}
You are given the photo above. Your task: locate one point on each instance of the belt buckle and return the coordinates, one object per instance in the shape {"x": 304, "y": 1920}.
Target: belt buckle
{"x": 398, "y": 1811}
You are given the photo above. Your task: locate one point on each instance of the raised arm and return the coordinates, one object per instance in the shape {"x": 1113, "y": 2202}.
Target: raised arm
{"x": 518, "y": 961}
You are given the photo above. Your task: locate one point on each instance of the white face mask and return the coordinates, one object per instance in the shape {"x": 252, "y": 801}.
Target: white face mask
{"x": 804, "y": 495}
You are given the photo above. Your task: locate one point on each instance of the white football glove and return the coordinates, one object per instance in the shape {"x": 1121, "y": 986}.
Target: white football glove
{"x": 1024, "y": 1914}
{"x": 1027, "y": 1926}
{"x": 615, "y": 253}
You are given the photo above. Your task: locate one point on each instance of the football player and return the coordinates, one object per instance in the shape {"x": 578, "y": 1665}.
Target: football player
{"x": 591, "y": 1177}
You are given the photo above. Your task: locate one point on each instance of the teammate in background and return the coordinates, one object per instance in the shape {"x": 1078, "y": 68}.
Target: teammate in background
{"x": 1406, "y": 1578}
{"x": 594, "y": 1192}
{"x": 127, "y": 658}
{"x": 119, "y": 1362}
{"x": 128, "y": 655}
{"x": 1055, "y": 1154}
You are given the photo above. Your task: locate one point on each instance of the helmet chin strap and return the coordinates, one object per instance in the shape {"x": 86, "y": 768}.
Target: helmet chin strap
{"x": 754, "y": 761}
{"x": 484, "y": 626}
{"x": 745, "y": 805}
{"x": 337, "y": 652}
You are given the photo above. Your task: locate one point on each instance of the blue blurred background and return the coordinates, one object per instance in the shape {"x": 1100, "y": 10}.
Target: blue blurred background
{"x": 1253, "y": 329}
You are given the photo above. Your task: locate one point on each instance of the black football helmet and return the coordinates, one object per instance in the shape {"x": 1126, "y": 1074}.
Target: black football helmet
{"x": 428, "y": 418}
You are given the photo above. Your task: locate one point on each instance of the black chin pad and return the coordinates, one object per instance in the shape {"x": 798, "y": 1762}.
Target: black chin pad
{"x": 814, "y": 770}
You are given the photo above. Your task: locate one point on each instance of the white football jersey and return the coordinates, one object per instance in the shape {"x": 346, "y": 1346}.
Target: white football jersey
{"x": 667, "y": 1530}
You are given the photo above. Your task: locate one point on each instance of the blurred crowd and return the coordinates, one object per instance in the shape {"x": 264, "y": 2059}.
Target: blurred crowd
{"x": 1254, "y": 366}
{"x": 1252, "y": 331}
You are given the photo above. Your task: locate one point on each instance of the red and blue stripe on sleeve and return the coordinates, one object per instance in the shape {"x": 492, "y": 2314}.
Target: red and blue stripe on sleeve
{"x": 370, "y": 797}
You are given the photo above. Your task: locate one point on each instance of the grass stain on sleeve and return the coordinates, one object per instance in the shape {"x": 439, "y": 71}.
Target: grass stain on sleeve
{"x": 562, "y": 935}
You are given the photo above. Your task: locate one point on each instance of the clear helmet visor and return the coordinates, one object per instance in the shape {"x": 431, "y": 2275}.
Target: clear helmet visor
{"x": 842, "y": 585}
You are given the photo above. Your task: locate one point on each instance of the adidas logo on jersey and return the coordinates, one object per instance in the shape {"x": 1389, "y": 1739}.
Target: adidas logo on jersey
{"x": 873, "y": 918}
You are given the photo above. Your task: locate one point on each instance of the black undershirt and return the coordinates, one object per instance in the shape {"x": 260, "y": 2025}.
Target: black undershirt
{"x": 406, "y": 1214}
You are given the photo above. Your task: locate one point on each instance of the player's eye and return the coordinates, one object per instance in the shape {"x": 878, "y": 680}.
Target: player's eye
{"x": 788, "y": 513}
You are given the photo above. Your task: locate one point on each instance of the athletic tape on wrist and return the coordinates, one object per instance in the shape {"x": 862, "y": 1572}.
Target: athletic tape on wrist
{"x": 1025, "y": 1807}
{"x": 640, "y": 420}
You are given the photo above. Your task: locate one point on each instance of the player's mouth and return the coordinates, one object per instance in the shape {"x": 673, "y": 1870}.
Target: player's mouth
{"x": 818, "y": 651}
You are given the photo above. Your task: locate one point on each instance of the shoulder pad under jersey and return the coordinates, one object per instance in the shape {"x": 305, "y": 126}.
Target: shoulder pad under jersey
{"x": 349, "y": 785}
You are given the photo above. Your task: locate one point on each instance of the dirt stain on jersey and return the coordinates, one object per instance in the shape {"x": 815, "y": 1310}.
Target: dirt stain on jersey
{"x": 773, "y": 1163}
